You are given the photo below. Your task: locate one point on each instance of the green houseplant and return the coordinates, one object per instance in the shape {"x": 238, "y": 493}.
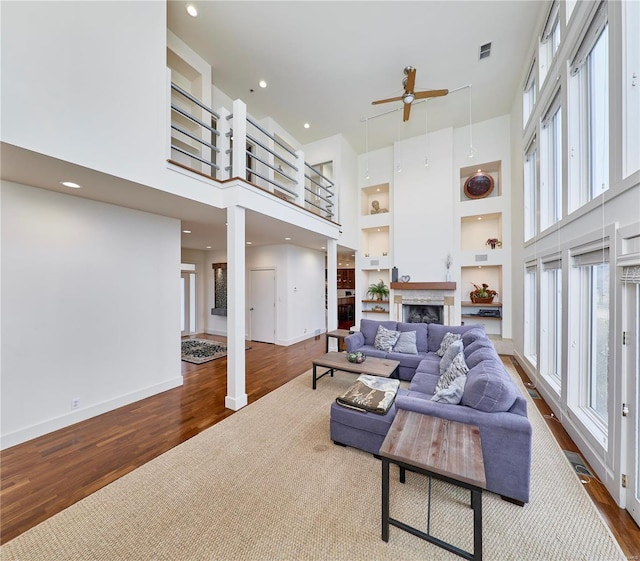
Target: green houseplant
{"x": 482, "y": 294}
{"x": 378, "y": 290}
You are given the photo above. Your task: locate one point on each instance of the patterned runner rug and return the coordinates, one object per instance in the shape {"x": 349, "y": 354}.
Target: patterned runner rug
{"x": 198, "y": 351}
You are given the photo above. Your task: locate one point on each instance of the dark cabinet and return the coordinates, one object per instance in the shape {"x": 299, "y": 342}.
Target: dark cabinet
{"x": 346, "y": 278}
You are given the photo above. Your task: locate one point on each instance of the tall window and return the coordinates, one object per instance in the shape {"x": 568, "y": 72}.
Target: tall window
{"x": 589, "y": 122}
{"x": 530, "y": 191}
{"x": 551, "y": 165}
{"x": 550, "y": 39}
{"x": 531, "y": 314}
{"x": 592, "y": 272}
{"x": 529, "y": 94}
{"x": 551, "y": 320}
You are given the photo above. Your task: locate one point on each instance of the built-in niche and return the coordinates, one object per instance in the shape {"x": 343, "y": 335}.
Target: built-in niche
{"x": 481, "y": 181}
{"x": 219, "y": 289}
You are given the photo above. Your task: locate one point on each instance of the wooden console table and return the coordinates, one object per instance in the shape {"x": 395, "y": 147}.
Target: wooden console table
{"x": 447, "y": 450}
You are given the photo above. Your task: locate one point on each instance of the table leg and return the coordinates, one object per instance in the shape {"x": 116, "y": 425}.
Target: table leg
{"x": 385, "y": 500}
{"x": 476, "y": 502}
{"x": 314, "y": 377}
{"x": 326, "y": 339}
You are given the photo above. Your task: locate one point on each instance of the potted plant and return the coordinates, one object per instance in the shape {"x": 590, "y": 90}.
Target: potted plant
{"x": 493, "y": 242}
{"x": 379, "y": 290}
{"x": 482, "y": 294}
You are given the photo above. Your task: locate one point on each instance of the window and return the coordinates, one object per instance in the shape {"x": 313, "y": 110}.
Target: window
{"x": 529, "y": 94}
{"x": 589, "y": 110}
{"x": 551, "y": 320}
{"x": 530, "y": 191}
{"x": 531, "y": 314}
{"x": 551, "y": 165}
{"x": 550, "y": 39}
{"x": 630, "y": 89}
{"x": 592, "y": 336}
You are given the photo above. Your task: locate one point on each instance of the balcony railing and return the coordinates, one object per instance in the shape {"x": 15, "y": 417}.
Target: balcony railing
{"x": 224, "y": 145}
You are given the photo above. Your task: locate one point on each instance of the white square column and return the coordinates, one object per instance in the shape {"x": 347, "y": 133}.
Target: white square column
{"x": 332, "y": 285}
{"x": 236, "y": 397}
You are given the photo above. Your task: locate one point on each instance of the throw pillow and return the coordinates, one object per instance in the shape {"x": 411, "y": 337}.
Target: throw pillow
{"x": 452, "y": 350}
{"x": 446, "y": 341}
{"x": 457, "y": 368}
{"x": 385, "y": 339}
{"x": 453, "y": 394}
{"x": 406, "y": 343}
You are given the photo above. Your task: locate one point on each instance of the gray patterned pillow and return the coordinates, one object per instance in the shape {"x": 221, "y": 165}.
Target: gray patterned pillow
{"x": 446, "y": 341}
{"x": 453, "y": 394}
{"x": 457, "y": 368}
{"x": 406, "y": 343}
{"x": 385, "y": 339}
{"x": 452, "y": 350}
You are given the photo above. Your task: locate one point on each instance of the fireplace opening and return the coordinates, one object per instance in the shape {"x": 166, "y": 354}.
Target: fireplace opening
{"x": 423, "y": 313}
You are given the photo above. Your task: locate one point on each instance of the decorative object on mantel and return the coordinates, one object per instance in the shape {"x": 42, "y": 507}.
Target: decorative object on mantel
{"x": 447, "y": 263}
{"x": 405, "y": 278}
{"x": 479, "y": 185}
{"x": 482, "y": 294}
{"x": 394, "y": 274}
{"x": 379, "y": 290}
{"x": 494, "y": 242}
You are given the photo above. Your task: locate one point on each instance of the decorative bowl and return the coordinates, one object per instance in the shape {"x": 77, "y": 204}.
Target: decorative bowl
{"x": 356, "y": 357}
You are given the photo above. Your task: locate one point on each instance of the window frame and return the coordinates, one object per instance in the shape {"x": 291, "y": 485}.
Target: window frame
{"x": 551, "y": 332}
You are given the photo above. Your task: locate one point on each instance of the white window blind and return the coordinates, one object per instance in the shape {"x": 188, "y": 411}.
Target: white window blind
{"x": 593, "y": 257}
{"x": 597, "y": 25}
{"x": 631, "y": 274}
{"x": 550, "y": 23}
{"x": 552, "y": 109}
{"x": 552, "y": 264}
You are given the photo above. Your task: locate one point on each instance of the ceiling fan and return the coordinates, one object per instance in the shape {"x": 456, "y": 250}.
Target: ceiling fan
{"x": 409, "y": 96}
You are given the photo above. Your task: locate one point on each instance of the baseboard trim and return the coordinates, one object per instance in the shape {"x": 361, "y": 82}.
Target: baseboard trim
{"x": 51, "y": 425}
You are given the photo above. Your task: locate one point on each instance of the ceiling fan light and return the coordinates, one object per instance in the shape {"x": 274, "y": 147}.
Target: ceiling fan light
{"x": 408, "y": 98}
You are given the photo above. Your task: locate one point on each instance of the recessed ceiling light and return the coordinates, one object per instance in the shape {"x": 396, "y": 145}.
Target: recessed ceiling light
{"x": 208, "y": 247}
{"x": 249, "y": 243}
{"x": 287, "y": 239}
{"x": 191, "y": 10}
{"x": 186, "y": 231}
{"x": 306, "y": 125}
{"x": 70, "y": 184}
{"x": 262, "y": 84}
{"x": 323, "y": 247}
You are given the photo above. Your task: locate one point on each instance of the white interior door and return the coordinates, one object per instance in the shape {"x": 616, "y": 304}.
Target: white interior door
{"x": 262, "y": 305}
{"x": 632, "y": 366}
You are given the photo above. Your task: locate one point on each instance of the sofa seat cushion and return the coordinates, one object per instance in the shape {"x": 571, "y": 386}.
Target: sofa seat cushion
{"x": 369, "y": 328}
{"x": 361, "y": 420}
{"x": 430, "y": 364}
{"x": 410, "y": 361}
{"x": 370, "y": 350}
{"x": 421, "y": 330}
{"x": 424, "y": 384}
{"x": 489, "y": 388}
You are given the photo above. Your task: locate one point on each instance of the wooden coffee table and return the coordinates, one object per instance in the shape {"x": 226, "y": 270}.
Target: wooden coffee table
{"x": 438, "y": 448}
{"x": 338, "y": 361}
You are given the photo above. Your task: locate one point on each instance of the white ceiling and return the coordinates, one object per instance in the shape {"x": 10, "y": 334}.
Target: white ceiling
{"x": 326, "y": 61}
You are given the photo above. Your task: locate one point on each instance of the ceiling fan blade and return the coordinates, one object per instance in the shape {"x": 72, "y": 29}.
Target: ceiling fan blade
{"x": 411, "y": 81}
{"x": 407, "y": 110}
{"x": 386, "y": 100}
{"x": 431, "y": 93}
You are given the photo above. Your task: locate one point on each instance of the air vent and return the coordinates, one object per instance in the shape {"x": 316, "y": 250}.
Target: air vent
{"x": 485, "y": 51}
{"x": 482, "y": 257}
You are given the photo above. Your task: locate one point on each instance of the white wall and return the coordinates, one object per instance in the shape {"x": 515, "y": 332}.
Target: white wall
{"x": 86, "y": 82}
{"x": 90, "y": 308}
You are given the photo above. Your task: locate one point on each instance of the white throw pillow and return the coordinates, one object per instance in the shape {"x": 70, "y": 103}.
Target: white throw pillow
{"x": 452, "y": 394}
{"x": 452, "y": 350}
{"x": 406, "y": 343}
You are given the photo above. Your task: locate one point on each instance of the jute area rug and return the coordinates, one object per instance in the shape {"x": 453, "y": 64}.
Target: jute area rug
{"x": 198, "y": 351}
{"x": 268, "y": 484}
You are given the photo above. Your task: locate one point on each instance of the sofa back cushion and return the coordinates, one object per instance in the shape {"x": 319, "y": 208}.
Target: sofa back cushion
{"x": 480, "y": 354}
{"x": 437, "y": 332}
{"x": 369, "y": 328}
{"x": 478, "y": 344}
{"x": 473, "y": 335}
{"x": 421, "y": 330}
{"x": 489, "y": 388}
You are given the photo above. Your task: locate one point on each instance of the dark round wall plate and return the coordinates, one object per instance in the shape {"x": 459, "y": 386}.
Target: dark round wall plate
{"x": 478, "y": 185}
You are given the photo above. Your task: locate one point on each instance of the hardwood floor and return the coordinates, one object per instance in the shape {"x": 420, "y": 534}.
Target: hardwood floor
{"x": 46, "y": 475}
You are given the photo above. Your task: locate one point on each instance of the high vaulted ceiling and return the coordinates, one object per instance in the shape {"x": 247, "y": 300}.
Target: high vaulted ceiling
{"x": 325, "y": 62}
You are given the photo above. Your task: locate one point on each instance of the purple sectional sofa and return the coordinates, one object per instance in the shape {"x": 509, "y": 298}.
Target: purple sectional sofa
{"x": 490, "y": 401}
